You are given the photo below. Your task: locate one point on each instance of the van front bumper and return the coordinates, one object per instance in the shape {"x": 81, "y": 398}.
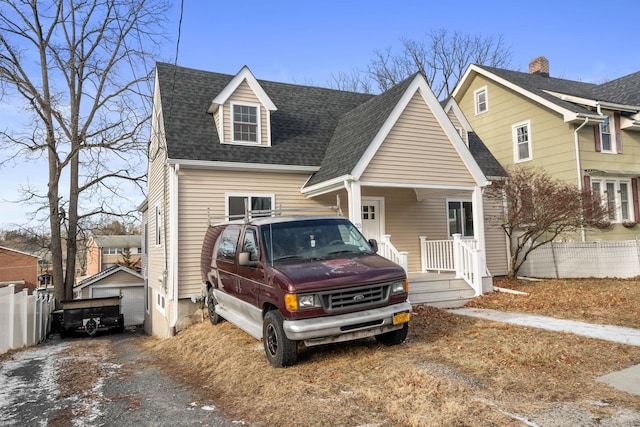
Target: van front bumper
{"x": 346, "y": 327}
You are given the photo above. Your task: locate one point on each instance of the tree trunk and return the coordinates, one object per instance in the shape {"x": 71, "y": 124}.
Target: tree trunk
{"x": 72, "y": 231}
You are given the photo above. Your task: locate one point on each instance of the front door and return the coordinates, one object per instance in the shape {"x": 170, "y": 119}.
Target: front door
{"x": 373, "y": 217}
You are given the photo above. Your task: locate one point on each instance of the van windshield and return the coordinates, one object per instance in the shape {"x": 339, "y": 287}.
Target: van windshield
{"x": 312, "y": 239}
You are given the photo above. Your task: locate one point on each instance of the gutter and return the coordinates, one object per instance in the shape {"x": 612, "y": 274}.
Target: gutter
{"x": 173, "y": 256}
{"x": 583, "y": 233}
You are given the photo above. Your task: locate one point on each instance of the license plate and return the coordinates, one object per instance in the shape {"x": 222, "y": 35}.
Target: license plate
{"x": 401, "y": 318}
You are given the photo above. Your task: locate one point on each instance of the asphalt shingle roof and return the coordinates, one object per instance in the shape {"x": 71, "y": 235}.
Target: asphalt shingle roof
{"x": 301, "y": 128}
{"x": 356, "y": 130}
{"x": 625, "y": 90}
{"x": 488, "y": 164}
{"x": 118, "y": 241}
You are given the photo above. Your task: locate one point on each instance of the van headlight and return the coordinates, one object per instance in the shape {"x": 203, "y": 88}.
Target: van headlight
{"x": 296, "y": 302}
{"x": 399, "y": 287}
{"x": 308, "y": 301}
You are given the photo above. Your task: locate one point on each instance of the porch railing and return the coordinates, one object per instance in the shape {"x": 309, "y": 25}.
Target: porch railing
{"x": 461, "y": 256}
{"x": 387, "y": 250}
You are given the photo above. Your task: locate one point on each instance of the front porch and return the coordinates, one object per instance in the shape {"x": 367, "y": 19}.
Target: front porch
{"x": 451, "y": 272}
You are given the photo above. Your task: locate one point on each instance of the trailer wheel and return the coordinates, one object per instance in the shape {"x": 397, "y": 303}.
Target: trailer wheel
{"x": 91, "y": 327}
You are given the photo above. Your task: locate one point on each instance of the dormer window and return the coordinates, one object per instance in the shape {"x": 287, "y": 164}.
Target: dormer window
{"x": 245, "y": 123}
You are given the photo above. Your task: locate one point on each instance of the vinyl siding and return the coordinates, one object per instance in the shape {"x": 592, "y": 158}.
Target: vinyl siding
{"x": 456, "y": 124}
{"x": 417, "y": 150}
{"x": 495, "y": 238}
{"x": 551, "y": 139}
{"x": 202, "y": 189}
{"x": 157, "y": 196}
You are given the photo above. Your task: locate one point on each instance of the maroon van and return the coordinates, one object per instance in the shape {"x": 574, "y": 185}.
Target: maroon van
{"x": 315, "y": 280}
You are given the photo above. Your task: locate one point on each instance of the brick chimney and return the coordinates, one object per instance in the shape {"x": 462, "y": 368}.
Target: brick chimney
{"x": 539, "y": 65}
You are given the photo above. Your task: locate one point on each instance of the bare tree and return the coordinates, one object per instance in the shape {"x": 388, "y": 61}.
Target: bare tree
{"x": 442, "y": 58}
{"x": 539, "y": 208}
{"x": 82, "y": 71}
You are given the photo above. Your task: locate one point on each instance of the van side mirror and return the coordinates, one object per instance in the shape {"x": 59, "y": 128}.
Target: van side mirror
{"x": 374, "y": 245}
{"x": 244, "y": 260}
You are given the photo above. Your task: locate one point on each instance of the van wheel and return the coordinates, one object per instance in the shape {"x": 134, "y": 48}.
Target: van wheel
{"x": 280, "y": 350}
{"x": 394, "y": 337}
{"x": 214, "y": 317}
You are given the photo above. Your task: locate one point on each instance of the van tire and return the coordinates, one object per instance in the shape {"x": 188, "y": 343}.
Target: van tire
{"x": 394, "y": 337}
{"x": 280, "y": 350}
{"x": 214, "y": 317}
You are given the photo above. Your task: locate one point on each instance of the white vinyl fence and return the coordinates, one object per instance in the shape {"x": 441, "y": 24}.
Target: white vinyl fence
{"x": 567, "y": 260}
{"x": 24, "y": 318}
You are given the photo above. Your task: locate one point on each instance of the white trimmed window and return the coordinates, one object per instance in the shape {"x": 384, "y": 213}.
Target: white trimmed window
{"x": 480, "y": 96}
{"x": 616, "y": 196}
{"x": 607, "y": 138}
{"x": 246, "y": 123}
{"x": 236, "y": 204}
{"x": 460, "y": 217}
{"x": 521, "y": 141}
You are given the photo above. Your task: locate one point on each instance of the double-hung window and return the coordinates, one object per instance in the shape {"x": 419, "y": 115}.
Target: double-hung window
{"x": 522, "y": 141}
{"x": 460, "y": 217}
{"x": 259, "y": 205}
{"x": 615, "y": 195}
{"x": 606, "y": 138}
{"x": 480, "y": 96}
{"x": 245, "y": 123}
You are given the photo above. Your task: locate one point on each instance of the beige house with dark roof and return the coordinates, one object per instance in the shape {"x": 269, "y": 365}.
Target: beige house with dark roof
{"x": 394, "y": 164}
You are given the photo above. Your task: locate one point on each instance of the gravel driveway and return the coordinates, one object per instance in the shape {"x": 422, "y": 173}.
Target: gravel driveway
{"x": 101, "y": 381}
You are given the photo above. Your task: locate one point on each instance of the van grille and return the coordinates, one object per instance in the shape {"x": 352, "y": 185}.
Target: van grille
{"x": 361, "y": 296}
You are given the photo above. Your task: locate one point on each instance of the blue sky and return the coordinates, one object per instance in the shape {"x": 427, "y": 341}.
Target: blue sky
{"x": 305, "y": 41}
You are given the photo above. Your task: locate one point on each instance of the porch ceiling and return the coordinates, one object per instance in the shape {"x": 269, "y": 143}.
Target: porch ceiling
{"x": 429, "y": 193}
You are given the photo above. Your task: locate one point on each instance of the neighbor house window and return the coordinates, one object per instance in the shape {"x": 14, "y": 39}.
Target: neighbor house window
{"x": 481, "y": 100}
{"x": 606, "y": 138}
{"x": 615, "y": 195}
{"x": 460, "y": 215}
{"x": 245, "y": 123}
{"x": 158, "y": 226}
{"x": 522, "y": 141}
{"x": 257, "y": 204}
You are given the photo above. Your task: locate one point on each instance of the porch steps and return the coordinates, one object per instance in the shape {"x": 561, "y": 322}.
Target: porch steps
{"x": 442, "y": 290}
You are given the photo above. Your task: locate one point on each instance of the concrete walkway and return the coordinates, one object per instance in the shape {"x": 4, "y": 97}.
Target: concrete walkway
{"x": 627, "y": 380}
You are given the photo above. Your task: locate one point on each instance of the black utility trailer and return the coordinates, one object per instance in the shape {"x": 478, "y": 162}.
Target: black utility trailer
{"x": 89, "y": 315}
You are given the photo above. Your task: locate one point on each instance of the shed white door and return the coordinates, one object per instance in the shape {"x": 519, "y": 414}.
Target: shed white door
{"x": 372, "y": 218}
{"x": 132, "y": 303}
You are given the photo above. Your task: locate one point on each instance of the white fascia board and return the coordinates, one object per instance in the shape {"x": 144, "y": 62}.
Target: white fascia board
{"x": 244, "y": 167}
{"x": 243, "y": 74}
{"x": 420, "y": 84}
{"x": 453, "y": 105}
{"x": 568, "y": 115}
{"x": 594, "y": 102}
{"x": 326, "y": 186}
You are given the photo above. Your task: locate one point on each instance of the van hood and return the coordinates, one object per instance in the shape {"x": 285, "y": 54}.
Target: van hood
{"x": 331, "y": 273}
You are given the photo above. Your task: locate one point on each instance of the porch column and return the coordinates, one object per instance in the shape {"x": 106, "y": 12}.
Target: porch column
{"x": 478, "y": 226}
{"x": 355, "y": 202}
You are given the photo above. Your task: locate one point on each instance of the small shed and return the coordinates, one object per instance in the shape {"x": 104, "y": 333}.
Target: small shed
{"x": 117, "y": 280}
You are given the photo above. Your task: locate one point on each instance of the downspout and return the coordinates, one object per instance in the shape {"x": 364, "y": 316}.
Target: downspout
{"x": 583, "y": 233}
{"x": 173, "y": 256}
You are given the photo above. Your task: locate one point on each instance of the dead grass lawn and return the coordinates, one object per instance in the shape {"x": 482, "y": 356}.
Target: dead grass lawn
{"x": 453, "y": 370}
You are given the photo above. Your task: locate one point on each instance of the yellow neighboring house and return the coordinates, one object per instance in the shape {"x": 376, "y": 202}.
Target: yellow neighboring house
{"x": 582, "y": 133}
{"x": 395, "y": 163}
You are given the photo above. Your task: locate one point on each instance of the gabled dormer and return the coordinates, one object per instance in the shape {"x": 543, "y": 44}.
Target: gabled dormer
{"x": 242, "y": 111}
